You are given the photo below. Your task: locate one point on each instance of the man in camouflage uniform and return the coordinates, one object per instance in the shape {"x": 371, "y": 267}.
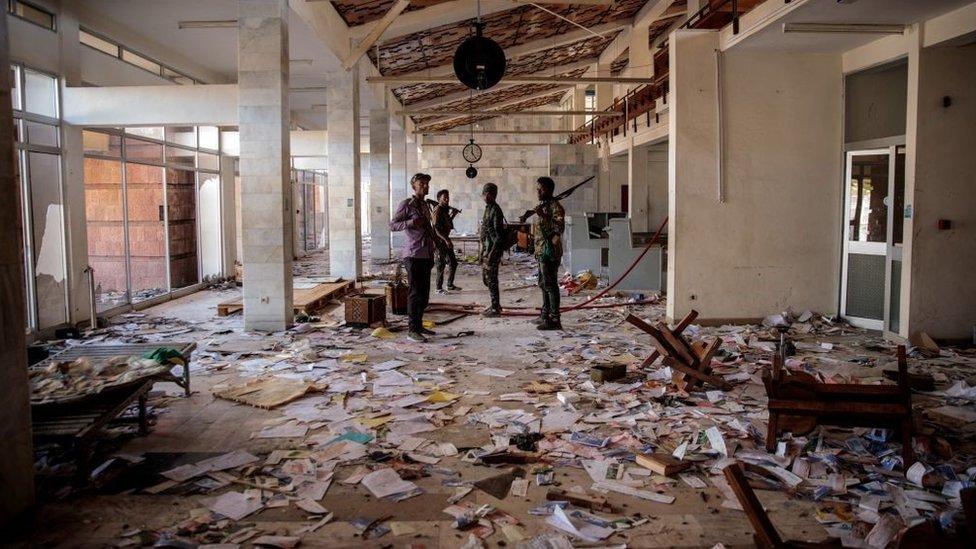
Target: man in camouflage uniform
{"x": 547, "y": 231}
{"x": 443, "y": 225}
{"x": 493, "y": 239}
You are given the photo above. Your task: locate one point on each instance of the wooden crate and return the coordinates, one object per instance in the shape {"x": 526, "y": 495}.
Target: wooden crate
{"x": 365, "y": 309}
{"x": 396, "y": 296}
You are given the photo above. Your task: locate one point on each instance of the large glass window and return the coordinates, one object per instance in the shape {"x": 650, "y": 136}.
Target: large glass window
{"x": 146, "y": 210}
{"x": 36, "y": 126}
{"x": 105, "y": 218}
{"x": 181, "y": 222}
{"x": 47, "y": 212}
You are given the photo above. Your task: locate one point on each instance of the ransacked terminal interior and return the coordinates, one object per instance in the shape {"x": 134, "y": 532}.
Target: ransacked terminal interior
{"x": 489, "y": 273}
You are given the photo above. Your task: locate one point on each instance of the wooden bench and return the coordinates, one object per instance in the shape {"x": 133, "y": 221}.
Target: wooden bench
{"x": 797, "y": 396}
{"x": 97, "y": 353}
{"x": 305, "y": 300}
{"x": 79, "y": 423}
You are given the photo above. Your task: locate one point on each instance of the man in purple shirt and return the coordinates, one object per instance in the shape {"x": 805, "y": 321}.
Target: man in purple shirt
{"x": 413, "y": 217}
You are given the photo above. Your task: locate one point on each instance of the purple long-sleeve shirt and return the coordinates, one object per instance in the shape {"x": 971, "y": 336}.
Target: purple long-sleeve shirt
{"x": 419, "y": 242}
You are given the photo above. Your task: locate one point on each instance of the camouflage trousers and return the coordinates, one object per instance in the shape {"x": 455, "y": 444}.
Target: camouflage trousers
{"x": 489, "y": 275}
{"x": 549, "y": 283}
{"x": 445, "y": 258}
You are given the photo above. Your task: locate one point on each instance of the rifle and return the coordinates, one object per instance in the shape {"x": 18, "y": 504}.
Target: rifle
{"x": 560, "y": 196}
{"x": 435, "y": 203}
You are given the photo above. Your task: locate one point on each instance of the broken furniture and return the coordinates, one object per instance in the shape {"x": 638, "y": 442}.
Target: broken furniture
{"x": 798, "y": 396}
{"x": 587, "y": 241}
{"x": 692, "y": 362}
{"x": 305, "y": 300}
{"x": 100, "y": 353}
{"x": 624, "y": 248}
{"x": 365, "y": 310}
{"x": 79, "y": 421}
{"x": 766, "y": 536}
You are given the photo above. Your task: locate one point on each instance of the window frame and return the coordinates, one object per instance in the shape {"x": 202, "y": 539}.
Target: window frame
{"x": 12, "y": 10}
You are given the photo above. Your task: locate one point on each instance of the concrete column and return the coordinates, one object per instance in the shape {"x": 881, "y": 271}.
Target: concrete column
{"x": 16, "y": 457}
{"x": 342, "y": 111}
{"x": 73, "y": 169}
{"x": 264, "y": 121}
{"x": 398, "y": 171}
{"x": 579, "y": 103}
{"x": 637, "y": 188}
{"x": 228, "y": 215}
{"x": 379, "y": 183}
{"x": 604, "y": 92}
{"x": 413, "y": 164}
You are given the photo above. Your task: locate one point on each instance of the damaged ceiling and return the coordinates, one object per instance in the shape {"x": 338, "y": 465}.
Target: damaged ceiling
{"x": 523, "y": 24}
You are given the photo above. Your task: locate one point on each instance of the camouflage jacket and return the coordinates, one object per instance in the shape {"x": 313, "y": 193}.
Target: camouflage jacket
{"x": 492, "y": 227}
{"x": 549, "y": 223}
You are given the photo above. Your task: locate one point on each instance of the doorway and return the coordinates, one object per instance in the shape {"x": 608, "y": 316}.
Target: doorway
{"x": 874, "y": 206}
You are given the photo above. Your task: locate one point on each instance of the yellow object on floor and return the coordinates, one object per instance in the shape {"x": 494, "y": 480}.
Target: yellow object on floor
{"x": 383, "y": 333}
{"x": 351, "y": 357}
{"x": 442, "y": 396}
{"x": 429, "y": 324}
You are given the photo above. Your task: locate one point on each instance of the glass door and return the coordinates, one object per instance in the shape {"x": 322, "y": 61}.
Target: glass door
{"x": 873, "y": 203}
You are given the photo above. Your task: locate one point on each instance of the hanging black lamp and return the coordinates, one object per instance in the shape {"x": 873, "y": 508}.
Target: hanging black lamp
{"x": 479, "y": 62}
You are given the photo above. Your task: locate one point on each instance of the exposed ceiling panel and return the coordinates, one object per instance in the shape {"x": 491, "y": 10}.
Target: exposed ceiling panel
{"x": 435, "y": 47}
{"x": 532, "y": 63}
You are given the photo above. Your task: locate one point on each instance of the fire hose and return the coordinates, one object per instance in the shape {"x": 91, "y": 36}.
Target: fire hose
{"x": 535, "y": 311}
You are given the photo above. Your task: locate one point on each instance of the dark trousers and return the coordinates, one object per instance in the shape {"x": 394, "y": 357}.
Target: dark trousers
{"x": 446, "y": 258}
{"x": 489, "y": 275}
{"x": 549, "y": 282}
{"x": 418, "y": 276}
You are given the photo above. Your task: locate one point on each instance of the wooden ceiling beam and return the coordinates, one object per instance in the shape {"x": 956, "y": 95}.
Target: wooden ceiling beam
{"x": 374, "y": 34}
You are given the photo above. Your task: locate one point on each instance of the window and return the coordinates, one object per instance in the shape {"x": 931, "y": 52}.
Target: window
{"x": 40, "y": 94}
{"x": 98, "y": 43}
{"x": 34, "y": 14}
{"x": 15, "y": 87}
{"x": 185, "y": 136}
{"x": 177, "y": 77}
{"x": 102, "y": 144}
{"x": 140, "y": 61}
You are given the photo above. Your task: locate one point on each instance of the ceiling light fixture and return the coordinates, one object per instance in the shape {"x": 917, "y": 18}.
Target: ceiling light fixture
{"x": 218, "y": 24}
{"x": 843, "y": 28}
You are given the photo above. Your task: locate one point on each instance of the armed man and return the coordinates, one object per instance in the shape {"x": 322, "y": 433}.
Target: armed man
{"x": 493, "y": 238}
{"x": 444, "y": 215}
{"x": 547, "y": 230}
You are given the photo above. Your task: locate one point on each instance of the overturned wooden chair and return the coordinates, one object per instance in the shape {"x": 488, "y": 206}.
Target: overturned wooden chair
{"x": 766, "y": 536}
{"x": 798, "y": 403}
{"x": 692, "y": 361}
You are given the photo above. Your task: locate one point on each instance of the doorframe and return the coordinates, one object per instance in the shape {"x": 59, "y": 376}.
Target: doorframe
{"x": 888, "y": 147}
{"x": 868, "y": 323}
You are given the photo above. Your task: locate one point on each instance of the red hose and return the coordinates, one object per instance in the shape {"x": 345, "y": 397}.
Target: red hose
{"x": 521, "y": 311}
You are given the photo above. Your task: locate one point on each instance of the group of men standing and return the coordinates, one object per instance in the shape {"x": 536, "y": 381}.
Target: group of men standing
{"x": 428, "y": 240}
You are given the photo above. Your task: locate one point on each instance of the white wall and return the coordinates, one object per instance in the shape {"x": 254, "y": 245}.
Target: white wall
{"x": 875, "y": 102}
{"x": 773, "y": 242}
{"x": 941, "y": 184}
{"x": 513, "y": 168}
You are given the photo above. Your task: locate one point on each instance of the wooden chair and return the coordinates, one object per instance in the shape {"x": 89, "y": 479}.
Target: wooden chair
{"x": 693, "y": 361}
{"x": 798, "y": 403}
